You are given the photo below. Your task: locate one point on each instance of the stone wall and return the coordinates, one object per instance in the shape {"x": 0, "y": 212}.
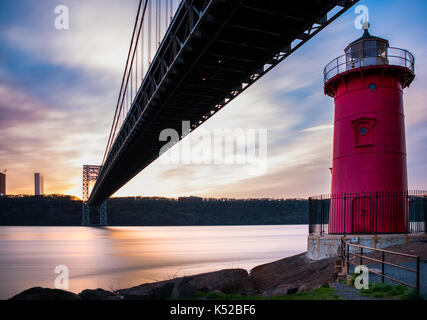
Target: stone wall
{"x": 326, "y": 246}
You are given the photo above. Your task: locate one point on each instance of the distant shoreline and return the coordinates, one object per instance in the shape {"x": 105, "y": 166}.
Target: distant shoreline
{"x": 60, "y": 210}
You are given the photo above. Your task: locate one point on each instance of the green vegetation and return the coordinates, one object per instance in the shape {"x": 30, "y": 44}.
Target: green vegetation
{"x": 353, "y": 279}
{"x": 385, "y": 290}
{"x": 154, "y": 211}
{"x": 322, "y": 293}
{"x": 40, "y": 210}
{"x": 412, "y": 295}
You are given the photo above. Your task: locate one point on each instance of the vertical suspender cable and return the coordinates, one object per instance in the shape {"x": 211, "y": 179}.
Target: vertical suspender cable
{"x": 142, "y": 54}
{"x": 166, "y": 15}
{"x": 149, "y": 33}
{"x": 166, "y": 12}
{"x": 110, "y": 140}
{"x": 136, "y": 70}
{"x": 131, "y": 85}
{"x": 132, "y": 59}
{"x": 157, "y": 23}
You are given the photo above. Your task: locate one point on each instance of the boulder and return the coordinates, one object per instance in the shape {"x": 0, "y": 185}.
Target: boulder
{"x": 39, "y": 293}
{"x": 226, "y": 281}
{"x": 98, "y": 294}
{"x": 291, "y": 275}
{"x": 149, "y": 291}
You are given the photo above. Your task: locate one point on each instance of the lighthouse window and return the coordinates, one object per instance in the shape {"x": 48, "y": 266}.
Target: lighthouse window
{"x": 372, "y": 86}
{"x": 370, "y": 48}
{"x": 363, "y": 131}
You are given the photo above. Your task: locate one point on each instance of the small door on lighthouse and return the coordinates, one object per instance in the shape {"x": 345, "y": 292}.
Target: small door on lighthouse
{"x": 362, "y": 215}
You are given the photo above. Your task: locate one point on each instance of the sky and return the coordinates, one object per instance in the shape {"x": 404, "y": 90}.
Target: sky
{"x": 58, "y": 90}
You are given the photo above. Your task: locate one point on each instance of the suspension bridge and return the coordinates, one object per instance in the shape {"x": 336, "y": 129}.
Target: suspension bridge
{"x": 187, "y": 60}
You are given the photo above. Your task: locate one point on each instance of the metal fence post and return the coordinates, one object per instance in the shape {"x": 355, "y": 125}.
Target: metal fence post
{"x": 376, "y": 213}
{"x": 408, "y": 211}
{"x": 418, "y": 275}
{"x": 425, "y": 213}
{"x": 310, "y": 219}
{"x": 321, "y": 215}
{"x": 382, "y": 267}
{"x": 347, "y": 257}
{"x": 345, "y": 213}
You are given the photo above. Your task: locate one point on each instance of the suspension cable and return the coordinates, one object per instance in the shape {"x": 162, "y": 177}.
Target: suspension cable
{"x": 126, "y": 72}
{"x": 129, "y": 74}
{"x": 124, "y": 97}
{"x": 149, "y": 32}
{"x": 123, "y": 79}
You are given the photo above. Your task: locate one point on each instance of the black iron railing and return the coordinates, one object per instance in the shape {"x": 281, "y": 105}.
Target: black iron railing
{"x": 368, "y": 213}
{"x": 369, "y": 57}
{"x": 359, "y": 254}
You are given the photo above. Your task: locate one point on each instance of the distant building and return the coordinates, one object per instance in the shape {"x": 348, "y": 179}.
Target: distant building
{"x": 2, "y": 183}
{"x": 38, "y": 184}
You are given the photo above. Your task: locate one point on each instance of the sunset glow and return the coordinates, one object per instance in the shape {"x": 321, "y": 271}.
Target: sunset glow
{"x": 58, "y": 91}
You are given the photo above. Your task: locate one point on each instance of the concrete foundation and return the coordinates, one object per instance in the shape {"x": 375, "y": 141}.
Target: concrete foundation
{"x": 326, "y": 246}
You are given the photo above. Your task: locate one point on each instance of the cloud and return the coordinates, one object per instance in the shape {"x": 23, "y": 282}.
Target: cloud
{"x": 39, "y": 138}
{"x": 97, "y": 40}
{"x": 59, "y": 88}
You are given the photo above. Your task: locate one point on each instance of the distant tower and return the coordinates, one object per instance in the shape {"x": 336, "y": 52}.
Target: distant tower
{"x": 38, "y": 184}
{"x": 369, "y": 151}
{"x": 3, "y": 183}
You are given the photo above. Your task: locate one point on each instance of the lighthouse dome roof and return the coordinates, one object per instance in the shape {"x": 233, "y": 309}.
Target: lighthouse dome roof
{"x": 368, "y": 37}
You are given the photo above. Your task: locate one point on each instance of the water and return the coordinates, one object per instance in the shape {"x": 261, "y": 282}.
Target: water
{"x": 118, "y": 257}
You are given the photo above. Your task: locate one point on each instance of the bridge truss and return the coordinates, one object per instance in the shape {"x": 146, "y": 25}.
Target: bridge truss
{"x": 90, "y": 173}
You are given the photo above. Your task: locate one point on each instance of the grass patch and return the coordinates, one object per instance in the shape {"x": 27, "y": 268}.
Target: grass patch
{"x": 384, "y": 290}
{"x": 323, "y": 293}
{"x": 412, "y": 295}
{"x": 353, "y": 279}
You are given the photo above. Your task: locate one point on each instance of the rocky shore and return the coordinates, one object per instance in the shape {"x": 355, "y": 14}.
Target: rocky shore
{"x": 285, "y": 276}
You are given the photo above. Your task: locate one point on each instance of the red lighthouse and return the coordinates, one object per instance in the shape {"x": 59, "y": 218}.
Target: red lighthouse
{"x": 369, "y": 179}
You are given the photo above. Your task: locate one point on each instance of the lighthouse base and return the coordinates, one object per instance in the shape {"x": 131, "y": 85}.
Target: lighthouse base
{"x": 326, "y": 246}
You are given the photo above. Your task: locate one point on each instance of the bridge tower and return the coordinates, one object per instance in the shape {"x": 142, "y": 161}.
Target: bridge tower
{"x": 369, "y": 149}
{"x": 90, "y": 173}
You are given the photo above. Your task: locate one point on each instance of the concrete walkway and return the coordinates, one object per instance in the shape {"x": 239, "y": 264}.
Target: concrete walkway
{"x": 349, "y": 293}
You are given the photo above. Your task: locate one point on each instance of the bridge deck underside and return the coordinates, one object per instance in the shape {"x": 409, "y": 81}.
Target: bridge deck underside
{"x": 221, "y": 48}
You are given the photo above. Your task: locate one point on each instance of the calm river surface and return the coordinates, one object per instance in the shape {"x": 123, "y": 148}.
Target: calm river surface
{"x": 119, "y": 257}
